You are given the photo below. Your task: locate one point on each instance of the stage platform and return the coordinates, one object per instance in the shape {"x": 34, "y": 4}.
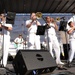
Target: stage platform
{"x": 9, "y": 70}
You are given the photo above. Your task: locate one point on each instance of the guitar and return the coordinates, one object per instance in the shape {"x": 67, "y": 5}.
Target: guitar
{"x": 18, "y": 45}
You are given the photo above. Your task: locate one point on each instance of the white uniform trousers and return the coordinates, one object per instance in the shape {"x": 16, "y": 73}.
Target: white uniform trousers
{"x": 34, "y": 41}
{"x": 6, "y": 45}
{"x": 72, "y": 49}
{"x": 54, "y": 44}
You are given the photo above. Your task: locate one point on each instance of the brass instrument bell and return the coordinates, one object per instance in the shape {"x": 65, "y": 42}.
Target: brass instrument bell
{"x": 39, "y": 15}
{"x": 57, "y": 19}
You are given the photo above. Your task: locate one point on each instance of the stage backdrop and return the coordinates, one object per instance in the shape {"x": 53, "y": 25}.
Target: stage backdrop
{"x": 19, "y": 26}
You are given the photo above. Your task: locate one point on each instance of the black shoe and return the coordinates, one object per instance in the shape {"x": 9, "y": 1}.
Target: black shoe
{"x": 69, "y": 64}
{"x": 1, "y": 66}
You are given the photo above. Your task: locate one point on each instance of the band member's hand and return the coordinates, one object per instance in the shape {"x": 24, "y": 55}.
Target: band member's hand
{"x": 0, "y": 25}
{"x": 47, "y": 26}
{"x": 38, "y": 23}
{"x": 32, "y": 21}
{"x": 73, "y": 27}
{"x": 71, "y": 30}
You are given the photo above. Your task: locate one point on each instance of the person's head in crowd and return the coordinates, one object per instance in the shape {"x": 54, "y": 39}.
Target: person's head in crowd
{"x": 2, "y": 16}
{"x": 71, "y": 24}
{"x": 48, "y": 19}
{"x": 52, "y": 20}
{"x": 20, "y": 35}
{"x": 33, "y": 16}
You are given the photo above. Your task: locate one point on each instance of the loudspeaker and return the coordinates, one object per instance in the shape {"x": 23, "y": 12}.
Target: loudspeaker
{"x": 33, "y": 62}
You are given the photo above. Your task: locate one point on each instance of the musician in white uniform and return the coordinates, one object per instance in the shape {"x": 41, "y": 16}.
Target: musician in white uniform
{"x": 52, "y": 39}
{"x": 34, "y": 40}
{"x": 6, "y": 28}
{"x": 71, "y": 32}
{"x": 19, "y": 42}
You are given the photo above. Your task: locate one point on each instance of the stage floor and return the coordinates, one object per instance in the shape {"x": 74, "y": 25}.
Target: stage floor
{"x": 9, "y": 70}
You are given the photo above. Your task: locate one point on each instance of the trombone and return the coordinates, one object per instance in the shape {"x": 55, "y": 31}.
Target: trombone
{"x": 57, "y": 19}
{"x": 39, "y": 15}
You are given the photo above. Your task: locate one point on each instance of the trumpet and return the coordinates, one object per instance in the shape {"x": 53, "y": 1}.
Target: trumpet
{"x": 57, "y": 19}
{"x": 39, "y": 15}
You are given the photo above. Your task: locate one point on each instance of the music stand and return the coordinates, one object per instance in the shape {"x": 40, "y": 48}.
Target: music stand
{"x": 40, "y": 30}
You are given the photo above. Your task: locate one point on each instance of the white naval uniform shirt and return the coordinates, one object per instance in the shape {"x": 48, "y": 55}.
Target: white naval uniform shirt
{"x": 4, "y": 31}
{"x": 72, "y": 35}
{"x": 34, "y": 40}
{"x": 51, "y": 30}
{"x": 33, "y": 27}
{"x": 20, "y": 42}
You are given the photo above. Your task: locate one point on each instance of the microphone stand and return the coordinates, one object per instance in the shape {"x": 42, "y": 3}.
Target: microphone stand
{"x": 64, "y": 29}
